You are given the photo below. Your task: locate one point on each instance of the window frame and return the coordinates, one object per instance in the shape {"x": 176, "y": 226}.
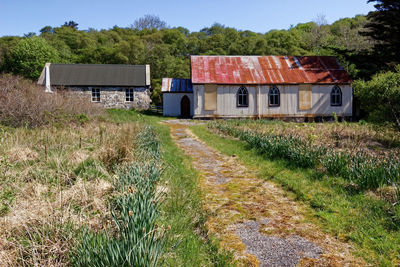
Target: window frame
{"x": 129, "y": 95}
{"x": 241, "y": 92}
{"x": 278, "y": 95}
{"x": 96, "y": 95}
{"x": 334, "y": 95}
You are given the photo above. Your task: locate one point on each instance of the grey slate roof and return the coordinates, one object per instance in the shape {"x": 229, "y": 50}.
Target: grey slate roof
{"x": 98, "y": 75}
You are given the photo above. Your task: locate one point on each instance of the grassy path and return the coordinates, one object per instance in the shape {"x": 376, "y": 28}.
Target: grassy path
{"x": 188, "y": 243}
{"x": 253, "y": 217}
{"x": 350, "y": 216}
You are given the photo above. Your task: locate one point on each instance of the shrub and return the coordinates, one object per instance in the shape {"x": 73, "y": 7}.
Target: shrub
{"x": 381, "y": 96}
{"x": 23, "y": 103}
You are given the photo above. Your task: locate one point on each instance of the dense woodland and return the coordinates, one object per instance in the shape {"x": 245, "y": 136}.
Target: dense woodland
{"x": 365, "y": 45}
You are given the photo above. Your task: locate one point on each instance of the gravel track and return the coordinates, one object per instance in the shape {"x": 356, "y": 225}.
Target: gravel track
{"x": 253, "y": 217}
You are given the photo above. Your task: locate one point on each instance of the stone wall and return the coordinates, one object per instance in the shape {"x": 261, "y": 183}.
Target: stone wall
{"x": 114, "y": 97}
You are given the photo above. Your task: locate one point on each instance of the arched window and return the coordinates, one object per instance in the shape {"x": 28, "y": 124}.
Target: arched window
{"x": 274, "y": 97}
{"x": 242, "y": 97}
{"x": 336, "y": 96}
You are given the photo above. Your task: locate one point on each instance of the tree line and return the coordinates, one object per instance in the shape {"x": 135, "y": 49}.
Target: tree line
{"x": 365, "y": 45}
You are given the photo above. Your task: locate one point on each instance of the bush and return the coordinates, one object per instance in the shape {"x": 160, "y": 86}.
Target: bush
{"x": 380, "y": 96}
{"x": 23, "y": 103}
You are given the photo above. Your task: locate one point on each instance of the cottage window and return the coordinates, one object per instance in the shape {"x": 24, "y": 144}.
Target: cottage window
{"x": 274, "y": 97}
{"x": 95, "y": 94}
{"x": 336, "y": 96}
{"x": 242, "y": 97}
{"x": 129, "y": 95}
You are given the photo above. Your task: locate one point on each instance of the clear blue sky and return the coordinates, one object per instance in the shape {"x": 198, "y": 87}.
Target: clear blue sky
{"x": 22, "y": 16}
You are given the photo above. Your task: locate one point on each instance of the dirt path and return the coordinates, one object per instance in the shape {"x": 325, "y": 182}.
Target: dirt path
{"x": 254, "y": 218}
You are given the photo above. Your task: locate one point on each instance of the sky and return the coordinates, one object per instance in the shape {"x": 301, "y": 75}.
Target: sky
{"x": 18, "y": 17}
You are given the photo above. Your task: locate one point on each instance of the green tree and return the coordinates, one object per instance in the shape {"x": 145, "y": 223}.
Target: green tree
{"x": 381, "y": 96}
{"x": 7, "y": 43}
{"x": 384, "y": 27}
{"x": 47, "y": 29}
{"x": 149, "y": 22}
{"x": 345, "y": 33}
{"x": 28, "y": 57}
{"x": 71, "y": 24}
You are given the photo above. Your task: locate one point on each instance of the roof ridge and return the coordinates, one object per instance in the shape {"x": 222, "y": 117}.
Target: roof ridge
{"x": 258, "y": 56}
{"x": 83, "y": 64}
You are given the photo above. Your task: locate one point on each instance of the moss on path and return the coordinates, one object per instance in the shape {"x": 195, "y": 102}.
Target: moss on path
{"x": 235, "y": 198}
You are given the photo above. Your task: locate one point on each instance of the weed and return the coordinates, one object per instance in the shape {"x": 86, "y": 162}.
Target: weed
{"x": 134, "y": 239}
{"x": 7, "y": 196}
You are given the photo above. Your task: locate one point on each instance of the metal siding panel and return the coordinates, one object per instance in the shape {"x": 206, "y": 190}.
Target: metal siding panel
{"x": 172, "y": 104}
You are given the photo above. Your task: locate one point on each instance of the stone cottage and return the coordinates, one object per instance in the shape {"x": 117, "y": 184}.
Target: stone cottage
{"x": 113, "y": 86}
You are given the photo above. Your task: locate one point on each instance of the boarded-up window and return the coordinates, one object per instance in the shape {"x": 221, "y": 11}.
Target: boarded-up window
{"x": 305, "y": 97}
{"x": 210, "y": 97}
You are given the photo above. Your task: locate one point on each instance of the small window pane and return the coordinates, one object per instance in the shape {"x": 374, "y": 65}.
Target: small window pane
{"x": 242, "y": 97}
{"x": 274, "y": 96}
{"x": 129, "y": 95}
{"x": 336, "y": 96}
{"x": 96, "y": 94}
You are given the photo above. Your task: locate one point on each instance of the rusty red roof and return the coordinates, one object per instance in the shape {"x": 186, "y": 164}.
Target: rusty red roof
{"x": 267, "y": 70}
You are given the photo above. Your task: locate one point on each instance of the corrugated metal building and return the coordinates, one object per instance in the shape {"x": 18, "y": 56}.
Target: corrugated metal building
{"x": 177, "y": 97}
{"x": 110, "y": 85}
{"x": 269, "y": 86}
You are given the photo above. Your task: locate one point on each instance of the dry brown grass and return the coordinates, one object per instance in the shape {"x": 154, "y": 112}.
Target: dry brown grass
{"x": 60, "y": 178}
{"x": 18, "y": 154}
{"x": 43, "y": 222}
{"x": 23, "y": 103}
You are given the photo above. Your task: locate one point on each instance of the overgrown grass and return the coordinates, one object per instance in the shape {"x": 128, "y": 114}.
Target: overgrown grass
{"x": 349, "y": 214}
{"x": 57, "y": 178}
{"x": 134, "y": 239}
{"x": 366, "y": 171}
{"x": 188, "y": 243}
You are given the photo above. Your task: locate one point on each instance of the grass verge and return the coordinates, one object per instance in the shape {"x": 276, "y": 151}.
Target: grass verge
{"x": 348, "y": 214}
